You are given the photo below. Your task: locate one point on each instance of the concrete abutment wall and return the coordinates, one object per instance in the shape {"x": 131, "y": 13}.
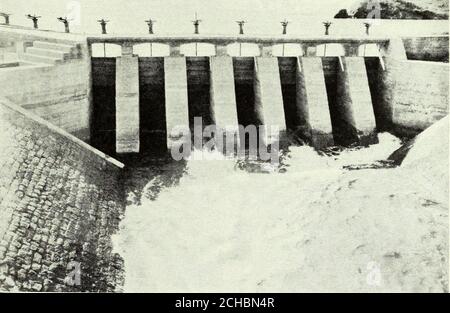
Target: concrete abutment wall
{"x": 51, "y": 79}
{"x": 59, "y": 94}
{"x": 432, "y": 48}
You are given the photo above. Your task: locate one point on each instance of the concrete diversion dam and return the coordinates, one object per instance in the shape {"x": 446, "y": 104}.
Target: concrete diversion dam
{"x": 341, "y": 100}
{"x": 63, "y": 196}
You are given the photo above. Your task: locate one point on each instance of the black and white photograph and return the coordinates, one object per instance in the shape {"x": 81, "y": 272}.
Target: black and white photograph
{"x": 224, "y": 146}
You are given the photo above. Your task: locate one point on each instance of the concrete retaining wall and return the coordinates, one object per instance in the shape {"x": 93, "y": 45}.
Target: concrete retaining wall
{"x": 60, "y": 201}
{"x": 59, "y": 94}
{"x": 427, "y": 48}
{"x": 420, "y": 93}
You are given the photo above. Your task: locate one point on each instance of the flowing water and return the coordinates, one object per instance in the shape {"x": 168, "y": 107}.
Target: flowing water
{"x": 308, "y": 224}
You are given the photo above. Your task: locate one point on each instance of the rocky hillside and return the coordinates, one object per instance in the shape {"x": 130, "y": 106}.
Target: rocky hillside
{"x": 399, "y": 9}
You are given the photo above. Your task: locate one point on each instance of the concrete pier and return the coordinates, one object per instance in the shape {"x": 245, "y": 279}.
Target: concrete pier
{"x": 176, "y": 93}
{"x": 268, "y": 95}
{"x": 355, "y": 97}
{"x": 223, "y": 102}
{"x": 223, "y": 94}
{"x": 127, "y": 104}
{"x": 312, "y": 97}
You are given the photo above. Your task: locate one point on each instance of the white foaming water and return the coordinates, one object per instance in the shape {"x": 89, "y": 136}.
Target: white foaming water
{"x": 306, "y": 158}
{"x": 223, "y": 229}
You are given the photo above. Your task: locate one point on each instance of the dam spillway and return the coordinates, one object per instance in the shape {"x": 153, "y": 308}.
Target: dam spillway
{"x": 326, "y": 98}
{"x": 323, "y": 100}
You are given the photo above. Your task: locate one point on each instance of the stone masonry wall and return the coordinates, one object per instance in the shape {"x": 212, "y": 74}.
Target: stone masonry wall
{"x": 60, "y": 202}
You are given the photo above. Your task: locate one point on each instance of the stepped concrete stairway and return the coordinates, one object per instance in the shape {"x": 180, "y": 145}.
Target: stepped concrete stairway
{"x": 50, "y": 53}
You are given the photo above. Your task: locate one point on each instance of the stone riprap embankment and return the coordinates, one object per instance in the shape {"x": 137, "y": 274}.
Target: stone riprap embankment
{"x": 60, "y": 201}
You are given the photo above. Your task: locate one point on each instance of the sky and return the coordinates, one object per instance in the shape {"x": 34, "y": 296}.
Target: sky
{"x": 217, "y": 16}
